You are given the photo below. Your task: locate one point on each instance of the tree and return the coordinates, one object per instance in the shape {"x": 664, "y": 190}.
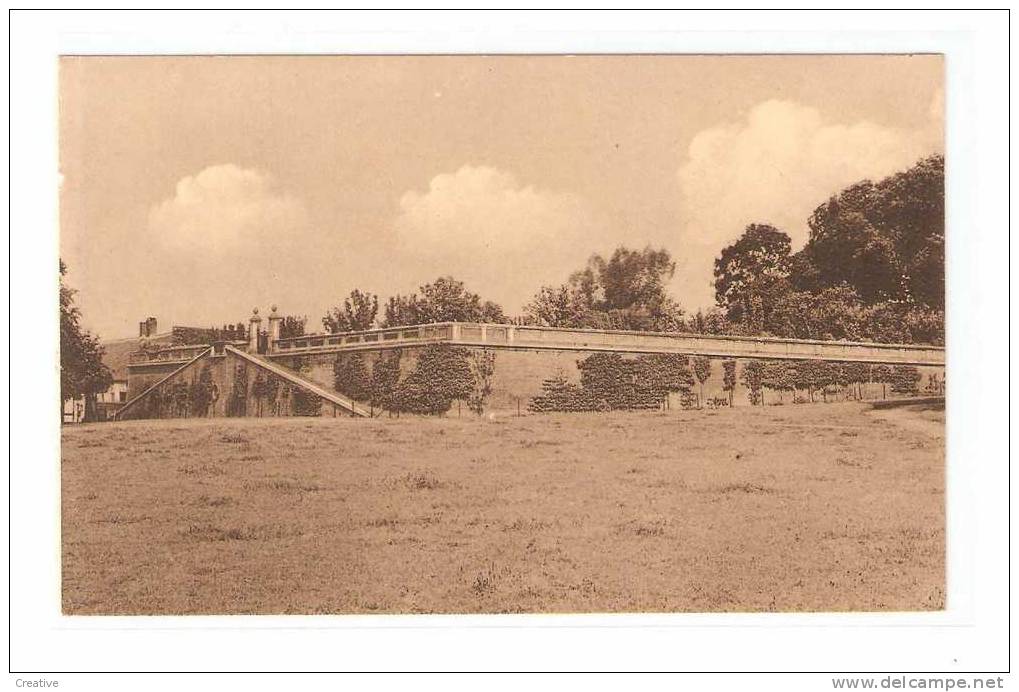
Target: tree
{"x": 82, "y": 372}
{"x": 444, "y": 300}
{"x": 753, "y": 380}
{"x": 441, "y": 376}
{"x": 350, "y": 376}
{"x": 202, "y": 392}
{"x": 885, "y": 239}
{"x": 882, "y": 374}
{"x": 779, "y": 376}
{"x": 833, "y": 313}
{"x": 856, "y": 374}
{"x": 483, "y": 367}
{"x": 384, "y": 378}
{"x": 729, "y": 378}
{"x": 292, "y": 326}
{"x": 813, "y": 375}
{"x": 357, "y": 314}
{"x": 557, "y": 306}
{"x": 905, "y": 379}
{"x": 664, "y": 373}
{"x": 751, "y": 274}
{"x": 260, "y": 390}
{"x": 626, "y": 291}
{"x": 702, "y": 371}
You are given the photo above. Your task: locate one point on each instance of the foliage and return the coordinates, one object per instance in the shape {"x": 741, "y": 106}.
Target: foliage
{"x": 82, "y": 372}
{"x": 729, "y": 378}
{"x": 751, "y": 274}
{"x": 385, "y": 375}
{"x": 779, "y": 376}
{"x": 665, "y": 372}
{"x": 444, "y": 300}
{"x": 559, "y": 394}
{"x": 202, "y": 392}
{"x": 441, "y": 376}
{"x": 357, "y": 314}
{"x": 833, "y": 313}
{"x": 626, "y": 291}
{"x": 350, "y": 376}
{"x": 623, "y": 383}
{"x": 292, "y": 326}
{"x": 872, "y": 269}
{"x": 753, "y": 380}
{"x": 609, "y": 381}
{"x": 237, "y": 404}
{"x": 303, "y": 402}
{"x": 905, "y": 379}
{"x": 185, "y": 336}
{"x": 483, "y": 368}
{"x": 701, "y": 371}
{"x": 885, "y": 239}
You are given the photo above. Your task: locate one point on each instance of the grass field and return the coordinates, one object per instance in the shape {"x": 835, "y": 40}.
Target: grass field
{"x": 812, "y": 507}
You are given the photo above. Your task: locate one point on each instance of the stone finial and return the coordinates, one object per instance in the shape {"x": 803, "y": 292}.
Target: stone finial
{"x": 274, "y": 308}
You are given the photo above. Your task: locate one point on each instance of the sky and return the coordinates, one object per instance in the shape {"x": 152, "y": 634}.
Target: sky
{"x": 196, "y": 188}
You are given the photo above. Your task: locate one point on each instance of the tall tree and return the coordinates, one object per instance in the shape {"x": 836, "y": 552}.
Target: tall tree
{"x": 626, "y": 291}
{"x": 82, "y": 372}
{"x": 702, "y": 371}
{"x": 885, "y": 239}
{"x": 753, "y": 380}
{"x": 358, "y": 313}
{"x": 751, "y": 274}
{"x": 729, "y": 378}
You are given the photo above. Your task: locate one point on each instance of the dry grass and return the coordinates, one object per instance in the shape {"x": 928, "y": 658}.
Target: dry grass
{"x": 823, "y": 507}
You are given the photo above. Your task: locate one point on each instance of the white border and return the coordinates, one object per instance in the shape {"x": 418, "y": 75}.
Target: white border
{"x": 968, "y": 636}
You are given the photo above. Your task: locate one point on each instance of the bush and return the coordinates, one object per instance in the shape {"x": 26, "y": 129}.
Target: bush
{"x": 442, "y": 375}
{"x": 608, "y": 381}
{"x": 905, "y": 379}
{"x": 350, "y": 376}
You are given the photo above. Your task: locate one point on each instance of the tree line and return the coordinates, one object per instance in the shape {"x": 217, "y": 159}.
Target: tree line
{"x": 872, "y": 270}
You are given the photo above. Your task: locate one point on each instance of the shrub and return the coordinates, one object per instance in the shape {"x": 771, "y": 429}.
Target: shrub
{"x": 753, "y": 380}
{"x": 201, "y": 392}
{"x": 905, "y": 379}
{"x": 441, "y": 376}
{"x": 350, "y": 376}
{"x": 483, "y": 367}
{"x": 729, "y": 378}
{"x": 237, "y": 404}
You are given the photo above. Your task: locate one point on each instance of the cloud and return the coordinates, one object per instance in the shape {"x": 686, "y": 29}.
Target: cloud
{"x": 502, "y": 238}
{"x": 775, "y": 167}
{"x": 225, "y": 208}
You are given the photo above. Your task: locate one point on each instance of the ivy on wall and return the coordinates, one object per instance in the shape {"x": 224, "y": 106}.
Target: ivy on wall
{"x": 608, "y": 381}
{"x": 483, "y": 368}
{"x": 237, "y": 404}
{"x": 441, "y": 376}
{"x": 350, "y": 376}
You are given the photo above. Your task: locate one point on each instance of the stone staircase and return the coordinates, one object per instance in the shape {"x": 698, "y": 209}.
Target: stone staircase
{"x": 329, "y": 395}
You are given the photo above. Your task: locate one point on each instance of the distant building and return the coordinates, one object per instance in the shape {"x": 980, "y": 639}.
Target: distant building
{"x": 115, "y": 357}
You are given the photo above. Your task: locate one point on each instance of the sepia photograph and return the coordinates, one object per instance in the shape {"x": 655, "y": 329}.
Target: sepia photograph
{"x": 495, "y": 334}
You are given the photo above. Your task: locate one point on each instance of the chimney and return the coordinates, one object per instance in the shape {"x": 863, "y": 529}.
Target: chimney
{"x": 147, "y": 328}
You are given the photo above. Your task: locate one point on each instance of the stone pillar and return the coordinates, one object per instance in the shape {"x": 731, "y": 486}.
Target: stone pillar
{"x": 275, "y": 323}
{"x": 254, "y": 326}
